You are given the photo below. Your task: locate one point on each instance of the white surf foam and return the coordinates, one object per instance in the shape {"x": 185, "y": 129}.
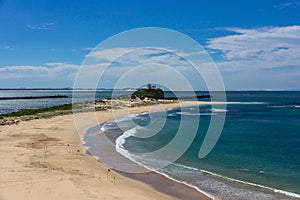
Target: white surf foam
{"x": 284, "y": 106}
{"x": 252, "y": 184}
{"x": 194, "y": 114}
{"x": 217, "y": 110}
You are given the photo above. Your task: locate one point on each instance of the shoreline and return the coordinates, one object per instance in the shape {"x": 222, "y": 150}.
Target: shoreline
{"x": 159, "y": 182}
{"x": 44, "y": 158}
{"x": 150, "y": 178}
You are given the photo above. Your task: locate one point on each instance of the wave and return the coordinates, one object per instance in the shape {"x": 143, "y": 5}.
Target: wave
{"x": 252, "y": 184}
{"x": 121, "y": 122}
{"x": 186, "y": 167}
{"x": 277, "y": 106}
{"x": 291, "y": 194}
{"x": 120, "y": 141}
{"x": 240, "y": 181}
{"x": 194, "y": 114}
{"x": 103, "y": 129}
{"x": 185, "y": 183}
{"x": 120, "y": 149}
{"x": 284, "y": 106}
{"x": 171, "y": 115}
{"x": 217, "y": 110}
{"x": 110, "y": 126}
{"x": 188, "y": 113}
{"x": 213, "y": 111}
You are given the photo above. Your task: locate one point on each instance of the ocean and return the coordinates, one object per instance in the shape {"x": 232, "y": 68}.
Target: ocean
{"x": 256, "y": 157}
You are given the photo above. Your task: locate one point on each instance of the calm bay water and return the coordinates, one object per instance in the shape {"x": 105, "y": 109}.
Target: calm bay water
{"x": 256, "y": 157}
{"x": 8, "y": 106}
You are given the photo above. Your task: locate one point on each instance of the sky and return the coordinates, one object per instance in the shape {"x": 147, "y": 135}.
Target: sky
{"x": 254, "y": 44}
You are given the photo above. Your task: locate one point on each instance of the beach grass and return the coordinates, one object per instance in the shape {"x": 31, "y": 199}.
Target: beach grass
{"x": 98, "y": 105}
{"x": 30, "y": 114}
{"x": 37, "y": 111}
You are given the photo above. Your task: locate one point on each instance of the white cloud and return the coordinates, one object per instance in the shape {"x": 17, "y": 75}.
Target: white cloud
{"x": 141, "y": 55}
{"x": 87, "y": 48}
{"x": 108, "y": 54}
{"x": 260, "y": 48}
{"x": 287, "y": 5}
{"x": 46, "y": 70}
{"x": 62, "y": 66}
{"x": 22, "y": 68}
{"x": 144, "y": 58}
{"x": 45, "y": 26}
{"x": 128, "y": 60}
{"x": 125, "y": 59}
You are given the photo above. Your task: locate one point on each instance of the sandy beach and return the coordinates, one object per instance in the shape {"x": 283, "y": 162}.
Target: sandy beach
{"x": 45, "y": 159}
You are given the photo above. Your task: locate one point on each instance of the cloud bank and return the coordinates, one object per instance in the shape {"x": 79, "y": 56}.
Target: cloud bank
{"x": 257, "y": 58}
{"x": 261, "y": 48}
{"x": 55, "y": 70}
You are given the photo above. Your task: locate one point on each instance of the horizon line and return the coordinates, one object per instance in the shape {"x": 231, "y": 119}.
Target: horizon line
{"x": 130, "y": 89}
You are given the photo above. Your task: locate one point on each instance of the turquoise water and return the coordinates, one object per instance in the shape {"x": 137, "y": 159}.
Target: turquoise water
{"x": 259, "y": 146}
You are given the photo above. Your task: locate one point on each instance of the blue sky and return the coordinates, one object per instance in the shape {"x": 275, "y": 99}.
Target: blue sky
{"x": 255, "y": 44}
